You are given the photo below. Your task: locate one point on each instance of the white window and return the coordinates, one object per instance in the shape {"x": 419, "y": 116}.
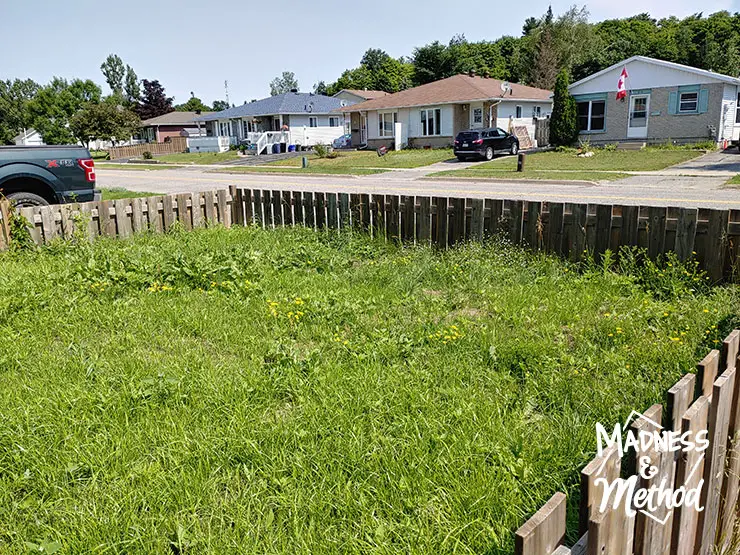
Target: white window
{"x": 737, "y": 109}
{"x": 688, "y": 102}
{"x": 313, "y": 121}
{"x": 431, "y": 122}
{"x": 334, "y": 121}
{"x": 477, "y": 115}
{"x": 591, "y": 115}
{"x": 386, "y": 123}
{"x": 518, "y": 112}
{"x": 536, "y": 112}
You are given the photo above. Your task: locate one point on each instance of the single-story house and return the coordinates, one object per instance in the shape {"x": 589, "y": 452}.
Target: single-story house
{"x": 293, "y": 118}
{"x": 29, "y": 137}
{"x": 353, "y": 96}
{"x": 173, "y": 124}
{"x": 661, "y": 101}
{"x": 431, "y": 115}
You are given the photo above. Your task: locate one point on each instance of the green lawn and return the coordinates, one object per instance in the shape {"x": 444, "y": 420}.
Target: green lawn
{"x": 412, "y": 158}
{"x": 313, "y": 169}
{"x": 118, "y": 193}
{"x": 134, "y": 167}
{"x": 733, "y": 182}
{"x": 603, "y": 160}
{"x": 198, "y": 157}
{"x": 473, "y": 173}
{"x": 288, "y": 391}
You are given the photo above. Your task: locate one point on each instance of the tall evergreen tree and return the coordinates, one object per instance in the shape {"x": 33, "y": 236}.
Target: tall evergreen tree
{"x": 564, "y": 121}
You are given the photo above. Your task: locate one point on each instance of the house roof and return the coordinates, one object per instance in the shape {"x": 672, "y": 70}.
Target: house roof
{"x": 663, "y": 63}
{"x": 455, "y": 89}
{"x": 287, "y": 103}
{"x": 364, "y": 93}
{"x": 174, "y": 118}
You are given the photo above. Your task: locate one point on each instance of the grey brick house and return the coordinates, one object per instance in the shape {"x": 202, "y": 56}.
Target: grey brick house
{"x": 665, "y": 101}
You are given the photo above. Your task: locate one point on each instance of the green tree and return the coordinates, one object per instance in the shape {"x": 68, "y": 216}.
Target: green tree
{"x": 131, "y": 86}
{"x": 108, "y": 120}
{"x": 14, "y": 113}
{"x": 193, "y": 104}
{"x": 54, "y": 104}
{"x": 320, "y": 88}
{"x": 154, "y": 102}
{"x": 220, "y": 105}
{"x": 283, "y": 84}
{"x": 114, "y": 71}
{"x": 564, "y": 121}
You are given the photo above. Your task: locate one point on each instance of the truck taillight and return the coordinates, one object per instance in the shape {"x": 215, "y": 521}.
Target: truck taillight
{"x": 88, "y": 165}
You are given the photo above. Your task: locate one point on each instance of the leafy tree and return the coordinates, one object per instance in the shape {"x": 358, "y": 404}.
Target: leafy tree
{"x": 220, "y": 105}
{"x": 54, "y": 104}
{"x": 564, "y": 121}
{"x": 153, "y": 102}
{"x": 131, "y": 86}
{"x": 114, "y": 72}
{"x": 545, "y": 69}
{"x": 283, "y": 84}
{"x": 193, "y": 104}
{"x": 108, "y": 120}
{"x": 14, "y": 113}
{"x": 320, "y": 88}
{"x": 430, "y": 62}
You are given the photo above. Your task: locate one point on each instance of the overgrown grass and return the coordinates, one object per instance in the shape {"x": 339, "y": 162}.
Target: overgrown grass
{"x": 295, "y": 392}
{"x": 603, "y": 160}
{"x": 410, "y": 158}
{"x": 198, "y": 157}
{"x": 116, "y": 193}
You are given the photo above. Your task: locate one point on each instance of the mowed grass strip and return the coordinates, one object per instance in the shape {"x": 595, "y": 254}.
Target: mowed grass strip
{"x": 603, "y": 160}
{"x": 325, "y": 170}
{"x": 410, "y": 158}
{"x": 504, "y": 175}
{"x": 116, "y": 193}
{"x": 134, "y": 167}
{"x": 291, "y": 391}
{"x": 198, "y": 157}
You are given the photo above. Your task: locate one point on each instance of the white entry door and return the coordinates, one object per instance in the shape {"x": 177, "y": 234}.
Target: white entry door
{"x": 363, "y": 129}
{"x": 637, "y": 127}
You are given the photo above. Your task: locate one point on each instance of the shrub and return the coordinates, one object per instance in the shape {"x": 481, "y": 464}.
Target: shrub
{"x": 333, "y": 154}
{"x": 147, "y": 155}
{"x": 564, "y": 121}
{"x": 321, "y": 150}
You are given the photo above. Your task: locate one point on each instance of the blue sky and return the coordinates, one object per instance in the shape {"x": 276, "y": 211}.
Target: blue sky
{"x": 195, "y": 45}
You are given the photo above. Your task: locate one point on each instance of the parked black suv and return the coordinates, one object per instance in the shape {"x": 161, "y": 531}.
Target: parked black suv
{"x": 484, "y": 143}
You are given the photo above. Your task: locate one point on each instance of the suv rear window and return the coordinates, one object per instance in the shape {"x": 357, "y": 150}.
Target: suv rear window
{"x": 467, "y": 136}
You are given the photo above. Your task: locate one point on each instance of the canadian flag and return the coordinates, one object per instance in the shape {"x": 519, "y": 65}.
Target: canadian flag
{"x": 622, "y": 85}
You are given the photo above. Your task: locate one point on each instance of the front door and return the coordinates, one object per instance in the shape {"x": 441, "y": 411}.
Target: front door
{"x": 637, "y": 127}
{"x": 363, "y": 128}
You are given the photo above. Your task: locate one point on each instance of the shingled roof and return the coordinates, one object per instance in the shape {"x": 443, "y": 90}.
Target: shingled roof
{"x": 455, "y": 89}
{"x": 366, "y": 94}
{"x": 174, "y": 118}
{"x": 287, "y": 103}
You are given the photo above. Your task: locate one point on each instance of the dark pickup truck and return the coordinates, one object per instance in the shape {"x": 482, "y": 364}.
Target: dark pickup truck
{"x": 40, "y": 175}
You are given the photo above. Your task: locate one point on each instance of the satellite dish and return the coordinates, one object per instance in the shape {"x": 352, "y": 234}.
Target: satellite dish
{"x": 505, "y": 87}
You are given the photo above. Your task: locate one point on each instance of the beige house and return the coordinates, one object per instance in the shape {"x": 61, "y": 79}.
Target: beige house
{"x": 432, "y": 115}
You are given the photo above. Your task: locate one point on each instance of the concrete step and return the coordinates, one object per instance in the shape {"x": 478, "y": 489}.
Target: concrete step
{"x": 631, "y": 145}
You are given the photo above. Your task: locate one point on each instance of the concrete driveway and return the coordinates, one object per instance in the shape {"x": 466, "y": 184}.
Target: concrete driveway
{"x": 725, "y": 163}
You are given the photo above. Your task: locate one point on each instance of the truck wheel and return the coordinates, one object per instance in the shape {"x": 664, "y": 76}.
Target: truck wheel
{"x": 27, "y": 199}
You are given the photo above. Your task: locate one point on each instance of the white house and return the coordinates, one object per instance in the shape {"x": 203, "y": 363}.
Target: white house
{"x": 432, "y": 115}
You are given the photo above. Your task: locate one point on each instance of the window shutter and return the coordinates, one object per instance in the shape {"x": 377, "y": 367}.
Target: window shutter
{"x": 673, "y": 103}
{"x": 703, "y": 100}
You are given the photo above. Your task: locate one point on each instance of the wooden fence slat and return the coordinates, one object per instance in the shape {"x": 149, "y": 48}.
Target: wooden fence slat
{"x": 237, "y": 205}
{"x": 5, "y": 209}
{"x": 656, "y": 230}
{"x": 123, "y": 224}
{"x": 298, "y": 217}
{"x": 47, "y": 223}
{"x": 196, "y": 209}
{"x": 392, "y": 225}
{"x": 267, "y": 209}
{"x": 706, "y": 372}
{"x": 533, "y": 234}
{"x": 355, "y": 210}
{"x": 377, "y": 213}
{"x": 181, "y": 201}
{"x": 714, "y": 464}
{"x": 137, "y": 215}
{"x": 320, "y": 203}
{"x": 630, "y": 219}
{"x": 689, "y": 472}
{"x": 680, "y": 397}
{"x": 476, "y": 220}
{"x": 442, "y": 222}
{"x": 716, "y": 244}
{"x": 603, "y": 229}
{"x": 246, "y": 195}
{"x": 332, "y": 213}
{"x": 729, "y": 506}
{"x": 516, "y": 223}
{"x": 344, "y": 216}
{"x": 408, "y": 222}
{"x": 107, "y": 224}
{"x": 686, "y": 232}
{"x": 168, "y": 211}
{"x": 457, "y": 223}
{"x": 365, "y": 212}
{"x": 555, "y": 228}
{"x": 607, "y": 466}
{"x": 309, "y": 214}
{"x": 277, "y": 208}
{"x": 577, "y": 232}
{"x": 287, "y": 207}
{"x": 424, "y": 227}
{"x": 153, "y": 216}
{"x": 67, "y": 221}
{"x": 258, "y": 208}
{"x": 545, "y": 531}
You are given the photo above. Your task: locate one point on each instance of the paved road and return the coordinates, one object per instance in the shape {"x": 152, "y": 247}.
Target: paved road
{"x": 688, "y": 187}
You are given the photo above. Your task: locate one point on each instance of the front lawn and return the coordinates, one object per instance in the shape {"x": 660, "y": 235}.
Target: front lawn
{"x": 198, "y": 157}
{"x": 411, "y": 158}
{"x": 289, "y": 391}
{"x": 648, "y": 159}
{"x": 134, "y": 167}
{"x": 116, "y": 193}
{"x": 326, "y": 170}
{"x": 534, "y": 175}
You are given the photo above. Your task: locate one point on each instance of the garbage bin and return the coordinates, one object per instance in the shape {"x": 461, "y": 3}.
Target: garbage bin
{"x": 276, "y": 148}
{"x": 291, "y": 148}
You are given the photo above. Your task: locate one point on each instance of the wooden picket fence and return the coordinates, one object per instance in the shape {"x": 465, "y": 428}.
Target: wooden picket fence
{"x": 173, "y": 146}
{"x": 568, "y": 229}
{"x": 708, "y": 400}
